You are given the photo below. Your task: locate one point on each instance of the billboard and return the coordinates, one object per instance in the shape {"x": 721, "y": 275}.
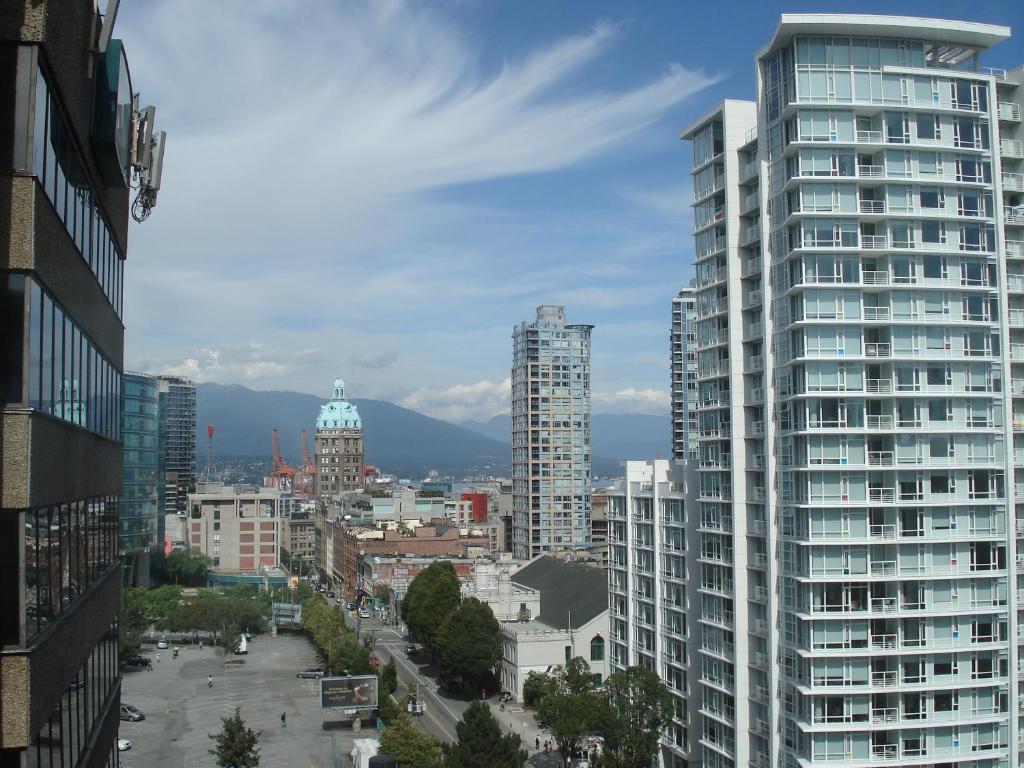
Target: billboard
{"x": 353, "y": 692}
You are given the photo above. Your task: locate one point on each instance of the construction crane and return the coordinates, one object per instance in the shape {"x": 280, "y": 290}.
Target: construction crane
{"x": 208, "y": 474}
{"x": 304, "y": 478}
{"x": 282, "y": 476}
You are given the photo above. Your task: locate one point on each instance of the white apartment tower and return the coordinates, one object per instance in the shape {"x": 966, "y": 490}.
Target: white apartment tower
{"x": 647, "y": 587}
{"x": 550, "y": 434}
{"x": 683, "y": 343}
{"x": 859, "y": 237}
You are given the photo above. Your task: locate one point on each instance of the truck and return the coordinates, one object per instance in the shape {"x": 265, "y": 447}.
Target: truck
{"x": 362, "y": 751}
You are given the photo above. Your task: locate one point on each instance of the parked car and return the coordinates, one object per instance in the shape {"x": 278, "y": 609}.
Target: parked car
{"x": 350, "y": 606}
{"x": 363, "y": 613}
{"x": 135, "y": 661}
{"x": 310, "y": 673}
{"x": 123, "y": 745}
{"x": 162, "y": 644}
{"x": 410, "y": 649}
{"x": 330, "y": 595}
{"x": 132, "y": 714}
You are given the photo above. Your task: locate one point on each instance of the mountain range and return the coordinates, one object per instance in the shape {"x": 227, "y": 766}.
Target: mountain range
{"x": 399, "y": 440}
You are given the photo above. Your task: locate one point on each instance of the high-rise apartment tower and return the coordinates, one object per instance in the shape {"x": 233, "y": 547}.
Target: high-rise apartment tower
{"x": 140, "y": 513}
{"x": 860, "y": 325}
{"x": 550, "y": 434}
{"x": 177, "y": 443}
{"x": 683, "y": 345}
{"x": 66, "y": 172}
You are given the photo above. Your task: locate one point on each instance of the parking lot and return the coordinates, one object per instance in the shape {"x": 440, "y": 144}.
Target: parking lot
{"x": 181, "y": 711}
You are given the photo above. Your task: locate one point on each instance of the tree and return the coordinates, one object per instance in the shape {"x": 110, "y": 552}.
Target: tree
{"x": 231, "y": 639}
{"x": 236, "y": 744}
{"x": 536, "y": 686}
{"x": 188, "y": 568}
{"x": 433, "y": 594}
{"x": 133, "y": 620}
{"x": 573, "y": 710}
{"x": 469, "y": 642}
{"x": 639, "y": 709}
{"x": 388, "y": 679}
{"x": 162, "y": 602}
{"x": 481, "y": 742}
{"x": 408, "y": 745}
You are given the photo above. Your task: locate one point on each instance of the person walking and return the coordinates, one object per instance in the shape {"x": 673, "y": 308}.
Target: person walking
{"x": 536, "y": 743}
{"x": 209, "y": 681}
{"x": 284, "y": 720}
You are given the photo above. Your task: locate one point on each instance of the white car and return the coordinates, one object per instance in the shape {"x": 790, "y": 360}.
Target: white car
{"x": 364, "y": 614}
{"x": 123, "y": 745}
{"x": 161, "y": 645}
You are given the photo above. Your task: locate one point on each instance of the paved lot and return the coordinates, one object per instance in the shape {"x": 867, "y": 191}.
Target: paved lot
{"x": 181, "y": 710}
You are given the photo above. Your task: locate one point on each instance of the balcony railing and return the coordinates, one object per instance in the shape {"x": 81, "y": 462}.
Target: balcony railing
{"x": 869, "y": 137}
{"x": 873, "y": 242}
{"x": 877, "y": 349}
{"x": 877, "y": 313}
{"x": 1013, "y": 182}
{"x": 1013, "y": 148}
{"x": 882, "y": 495}
{"x": 870, "y": 171}
{"x": 875, "y": 278}
{"x": 879, "y": 422}
{"x": 879, "y": 386}
{"x": 1015, "y": 248}
{"x": 1015, "y": 216}
{"x": 872, "y": 206}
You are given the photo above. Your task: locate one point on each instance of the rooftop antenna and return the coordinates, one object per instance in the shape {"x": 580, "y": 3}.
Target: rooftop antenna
{"x": 208, "y": 475}
{"x": 107, "y": 30}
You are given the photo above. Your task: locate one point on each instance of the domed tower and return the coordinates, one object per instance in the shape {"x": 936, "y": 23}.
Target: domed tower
{"x": 339, "y": 446}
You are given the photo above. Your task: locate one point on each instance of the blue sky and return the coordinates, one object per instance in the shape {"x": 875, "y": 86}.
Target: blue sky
{"x": 381, "y": 190}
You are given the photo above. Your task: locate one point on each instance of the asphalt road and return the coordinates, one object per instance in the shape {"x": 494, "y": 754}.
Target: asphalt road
{"x": 444, "y": 711}
{"x": 181, "y": 710}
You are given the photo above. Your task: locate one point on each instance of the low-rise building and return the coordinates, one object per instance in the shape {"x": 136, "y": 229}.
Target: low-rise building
{"x": 238, "y": 528}
{"x": 405, "y": 540}
{"x": 298, "y": 544}
{"x": 573, "y": 621}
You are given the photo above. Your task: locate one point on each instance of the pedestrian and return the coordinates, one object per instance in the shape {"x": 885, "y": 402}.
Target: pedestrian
{"x": 209, "y": 681}
{"x": 158, "y": 658}
{"x": 284, "y": 720}
{"x": 536, "y": 742}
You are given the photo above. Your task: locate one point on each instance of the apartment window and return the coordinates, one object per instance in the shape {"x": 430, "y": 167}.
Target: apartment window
{"x": 927, "y": 127}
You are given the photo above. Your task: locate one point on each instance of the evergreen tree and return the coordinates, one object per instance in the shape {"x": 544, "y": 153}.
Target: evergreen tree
{"x": 236, "y": 744}
{"x": 433, "y": 594}
{"x": 481, "y": 742}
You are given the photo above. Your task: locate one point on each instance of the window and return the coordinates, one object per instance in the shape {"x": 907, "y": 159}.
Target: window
{"x": 597, "y": 648}
{"x": 927, "y": 127}
{"x": 568, "y": 653}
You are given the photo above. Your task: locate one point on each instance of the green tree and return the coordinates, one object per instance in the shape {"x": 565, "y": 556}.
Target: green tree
{"x": 388, "y": 679}
{"x": 481, "y": 742}
{"x": 232, "y": 637}
{"x": 236, "y": 744}
{"x": 188, "y": 568}
{"x": 573, "y": 710}
{"x": 408, "y": 745}
{"x": 639, "y": 709}
{"x": 536, "y": 686}
{"x": 433, "y": 594}
{"x": 162, "y": 602}
{"x": 133, "y": 619}
{"x": 469, "y": 642}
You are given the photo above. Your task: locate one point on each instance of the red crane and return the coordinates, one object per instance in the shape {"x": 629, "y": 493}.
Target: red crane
{"x": 282, "y": 475}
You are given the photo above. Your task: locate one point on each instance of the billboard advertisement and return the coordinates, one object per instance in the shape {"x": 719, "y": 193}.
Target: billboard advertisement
{"x": 352, "y": 692}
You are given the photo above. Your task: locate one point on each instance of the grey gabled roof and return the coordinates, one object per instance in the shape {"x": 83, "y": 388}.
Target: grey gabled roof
{"x": 565, "y": 588}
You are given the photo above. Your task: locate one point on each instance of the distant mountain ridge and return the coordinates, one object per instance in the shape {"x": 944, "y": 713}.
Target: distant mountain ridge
{"x": 399, "y": 440}
{"x": 615, "y": 436}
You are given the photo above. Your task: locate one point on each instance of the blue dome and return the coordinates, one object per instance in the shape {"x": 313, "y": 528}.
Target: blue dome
{"x": 338, "y": 413}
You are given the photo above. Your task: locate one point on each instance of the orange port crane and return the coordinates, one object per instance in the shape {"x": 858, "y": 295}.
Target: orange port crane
{"x": 282, "y": 475}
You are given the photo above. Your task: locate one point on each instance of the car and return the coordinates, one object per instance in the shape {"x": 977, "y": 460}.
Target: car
{"x": 135, "y": 661}
{"x": 410, "y": 649}
{"x": 363, "y": 613}
{"x": 330, "y": 595}
{"x": 132, "y": 714}
{"x": 350, "y": 606}
{"x": 123, "y": 745}
{"x": 161, "y": 645}
{"x": 505, "y": 697}
{"x": 310, "y": 673}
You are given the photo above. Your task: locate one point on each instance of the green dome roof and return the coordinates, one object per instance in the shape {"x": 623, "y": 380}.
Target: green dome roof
{"x": 338, "y": 413}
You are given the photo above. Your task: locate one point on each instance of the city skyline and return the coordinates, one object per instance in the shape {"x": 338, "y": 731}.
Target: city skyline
{"x": 463, "y": 245}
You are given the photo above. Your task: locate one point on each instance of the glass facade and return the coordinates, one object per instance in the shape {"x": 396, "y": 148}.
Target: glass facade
{"x": 141, "y": 480}
{"x": 683, "y": 342}
{"x": 859, "y": 294}
{"x": 550, "y": 434}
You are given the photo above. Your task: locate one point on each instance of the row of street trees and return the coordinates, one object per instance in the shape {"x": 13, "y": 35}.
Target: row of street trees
{"x": 462, "y": 635}
{"x": 629, "y": 713}
{"x": 337, "y": 643}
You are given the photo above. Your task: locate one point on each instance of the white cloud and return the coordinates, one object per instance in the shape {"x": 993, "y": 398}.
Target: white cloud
{"x": 252, "y": 364}
{"x": 631, "y": 400}
{"x": 381, "y": 359}
{"x": 462, "y": 402}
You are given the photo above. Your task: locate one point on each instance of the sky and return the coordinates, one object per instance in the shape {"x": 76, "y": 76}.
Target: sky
{"x": 380, "y": 190}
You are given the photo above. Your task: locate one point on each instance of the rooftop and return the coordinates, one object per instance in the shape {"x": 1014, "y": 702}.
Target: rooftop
{"x": 338, "y": 413}
{"x": 567, "y": 589}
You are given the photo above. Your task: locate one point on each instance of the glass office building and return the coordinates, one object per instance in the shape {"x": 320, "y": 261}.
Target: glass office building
{"x": 141, "y": 482}
{"x": 860, "y": 327}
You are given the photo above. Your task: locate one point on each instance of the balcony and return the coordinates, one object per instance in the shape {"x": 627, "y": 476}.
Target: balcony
{"x": 751, "y": 267}
{"x": 1015, "y": 248}
{"x": 872, "y": 206}
{"x": 870, "y": 171}
{"x": 874, "y": 242}
{"x": 881, "y": 458}
{"x": 878, "y": 422}
{"x": 1015, "y": 216}
{"x": 755, "y": 364}
{"x": 882, "y": 531}
{"x": 877, "y": 349}
{"x": 877, "y": 313}
{"x": 756, "y": 428}
{"x": 1013, "y": 182}
{"x": 1012, "y": 148}
{"x": 878, "y": 386}
{"x": 752, "y": 299}
{"x": 869, "y": 137}
{"x": 882, "y": 495}
{"x": 875, "y": 278}
{"x": 752, "y": 234}
{"x": 1015, "y": 283}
